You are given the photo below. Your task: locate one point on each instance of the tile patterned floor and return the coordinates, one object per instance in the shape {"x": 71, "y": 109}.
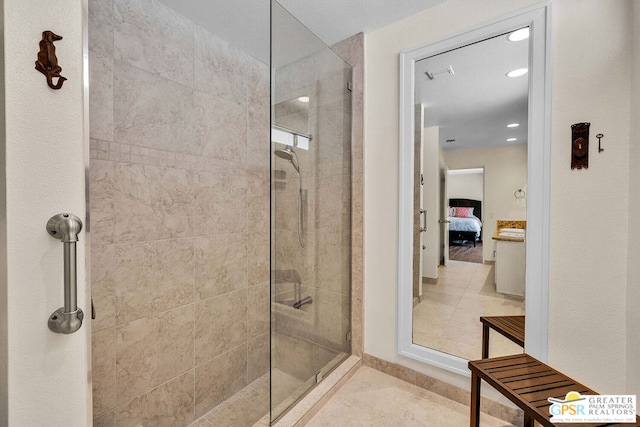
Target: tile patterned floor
{"x": 447, "y": 319}
{"x": 373, "y": 399}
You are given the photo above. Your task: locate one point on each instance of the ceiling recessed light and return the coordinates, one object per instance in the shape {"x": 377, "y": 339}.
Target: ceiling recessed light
{"x": 518, "y": 35}
{"x": 512, "y": 139}
{"x": 304, "y": 99}
{"x": 513, "y": 125}
{"x": 517, "y": 72}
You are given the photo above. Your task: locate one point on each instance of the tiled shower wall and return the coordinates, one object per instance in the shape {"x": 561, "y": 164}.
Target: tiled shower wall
{"x": 179, "y": 215}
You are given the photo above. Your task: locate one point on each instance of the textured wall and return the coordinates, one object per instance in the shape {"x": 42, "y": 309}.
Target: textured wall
{"x": 179, "y": 194}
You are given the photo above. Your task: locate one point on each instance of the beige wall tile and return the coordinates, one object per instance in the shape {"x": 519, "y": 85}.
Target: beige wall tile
{"x": 105, "y": 420}
{"x": 258, "y": 309}
{"x": 153, "y": 277}
{"x": 102, "y": 198}
{"x": 103, "y": 367}
{"x": 220, "y": 127}
{"x": 171, "y": 404}
{"x": 101, "y": 27}
{"x": 258, "y": 357}
{"x": 220, "y": 264}
{"x": 153, "y": 350}
{"x": 152, "y": 203}
{"x": 220, "y": 203}
{"x": 333, "y": 319}
{"x": 221, "y": 325}
{"x": 153, "y": 37}
{"x": 103, "y": 287}
{"x": 101, "y": 96}
{"x": 144, "y": 117}
{"x": 292, "y": 356}
{"x": 220, "y": 378}
{"x": 218, "y": 67}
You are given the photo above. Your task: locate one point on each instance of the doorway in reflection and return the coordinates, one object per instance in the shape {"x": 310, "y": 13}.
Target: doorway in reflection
{"x": 471, "y": 116}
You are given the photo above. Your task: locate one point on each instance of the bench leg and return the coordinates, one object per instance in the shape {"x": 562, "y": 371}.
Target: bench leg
{"x": 475, "y": 400}
{"x": 485, "y": 341}
{"x": 528, "y": 421}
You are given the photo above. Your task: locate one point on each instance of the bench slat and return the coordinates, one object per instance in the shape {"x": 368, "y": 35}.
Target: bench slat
{"x": 528, "y": 383}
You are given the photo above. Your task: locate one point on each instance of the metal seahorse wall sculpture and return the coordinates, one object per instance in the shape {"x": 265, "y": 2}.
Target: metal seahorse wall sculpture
{"x": 47, "y": 62}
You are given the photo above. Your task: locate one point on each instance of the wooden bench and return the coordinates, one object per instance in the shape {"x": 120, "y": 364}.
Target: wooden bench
{"x": 511, "y": 327}
{"x": 528, "y": 383}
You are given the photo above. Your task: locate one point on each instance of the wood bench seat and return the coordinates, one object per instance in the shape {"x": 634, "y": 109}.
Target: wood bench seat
{"x": 511, "y": 327}
{"x": 528, "y": 383}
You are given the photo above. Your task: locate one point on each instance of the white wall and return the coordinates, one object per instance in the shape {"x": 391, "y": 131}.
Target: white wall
{"x": 588, "y": 274}
{"x": 589, "y": 230}
{"x": 505, "y": 171}
{"x": 431, "y": 201}
{"x": 633, "y": 288}
{"x": 47, "y": 374}
{"x": 465, "y": 186}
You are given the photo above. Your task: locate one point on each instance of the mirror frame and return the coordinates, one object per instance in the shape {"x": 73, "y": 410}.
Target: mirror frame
{"x": 538, "y": 18}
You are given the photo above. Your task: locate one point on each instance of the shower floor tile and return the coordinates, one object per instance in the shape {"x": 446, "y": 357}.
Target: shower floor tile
{"x": 243, "y": 409}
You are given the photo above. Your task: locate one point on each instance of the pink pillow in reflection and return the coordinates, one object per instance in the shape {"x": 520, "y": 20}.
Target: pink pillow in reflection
{"x": 464, "y": 212}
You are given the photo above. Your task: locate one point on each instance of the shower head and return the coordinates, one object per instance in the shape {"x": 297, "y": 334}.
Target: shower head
{"x": 290, "y": 155}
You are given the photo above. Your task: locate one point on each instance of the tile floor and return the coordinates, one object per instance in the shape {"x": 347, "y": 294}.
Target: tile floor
{"x": 369, "y": 399}
{"x": 447, "y": 319}
{"x": 373, "y": 399}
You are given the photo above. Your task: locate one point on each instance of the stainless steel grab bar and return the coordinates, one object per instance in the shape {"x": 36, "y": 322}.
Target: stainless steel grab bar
{"x": 67, "y": 319}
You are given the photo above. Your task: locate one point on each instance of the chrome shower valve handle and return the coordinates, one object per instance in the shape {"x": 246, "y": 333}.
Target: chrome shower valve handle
{"x": 67, "y": 319}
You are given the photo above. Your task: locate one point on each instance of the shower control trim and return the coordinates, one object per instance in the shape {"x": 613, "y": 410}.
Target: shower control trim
{"x": 67, "y": 319}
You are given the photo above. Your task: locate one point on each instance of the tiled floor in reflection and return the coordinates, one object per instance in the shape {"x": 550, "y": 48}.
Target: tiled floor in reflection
{"x": 373, "y": 399}
{"x": 447, "y": 319}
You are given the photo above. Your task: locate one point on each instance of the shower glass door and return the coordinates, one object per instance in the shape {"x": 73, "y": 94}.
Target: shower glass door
{"x": 310, "y": 210}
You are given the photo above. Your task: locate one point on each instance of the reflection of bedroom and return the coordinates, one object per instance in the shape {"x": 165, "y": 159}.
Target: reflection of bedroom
{"x": 505, "y": 171}
{"x": 465, "y": 189}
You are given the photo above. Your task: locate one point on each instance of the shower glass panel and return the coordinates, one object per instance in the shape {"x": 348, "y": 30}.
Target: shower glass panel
{"x": 310, "y": 210}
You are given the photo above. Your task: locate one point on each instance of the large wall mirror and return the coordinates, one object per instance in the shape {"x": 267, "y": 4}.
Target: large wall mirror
{"x": 470, "y": 175}
{"x": 474, "y": 194}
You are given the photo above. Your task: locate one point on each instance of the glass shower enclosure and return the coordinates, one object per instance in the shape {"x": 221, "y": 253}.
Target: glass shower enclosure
{"x": 310, "y": 210}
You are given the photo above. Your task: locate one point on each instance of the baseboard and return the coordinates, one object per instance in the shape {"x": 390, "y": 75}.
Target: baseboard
{"x": 489, "y": 262}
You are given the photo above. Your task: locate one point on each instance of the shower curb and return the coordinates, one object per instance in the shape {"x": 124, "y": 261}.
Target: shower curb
{"x": 310, "y": 404}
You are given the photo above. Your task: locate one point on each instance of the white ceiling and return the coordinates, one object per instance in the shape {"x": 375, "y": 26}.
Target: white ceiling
{"x": 245, "y": 23}
{"x": 474, "y": 105}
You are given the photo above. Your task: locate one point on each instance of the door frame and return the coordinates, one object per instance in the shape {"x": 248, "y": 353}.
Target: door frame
{"x": 538, "y": 18}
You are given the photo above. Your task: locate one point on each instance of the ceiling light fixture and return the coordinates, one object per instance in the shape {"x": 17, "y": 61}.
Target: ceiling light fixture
{"x": 519, "y": 35}
{"x": 304, "y": 99}
{"x": 513, "y": 125}
{"x": 517, "y": 72}
{"x": 512, "y": 139}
